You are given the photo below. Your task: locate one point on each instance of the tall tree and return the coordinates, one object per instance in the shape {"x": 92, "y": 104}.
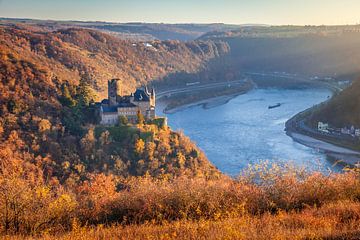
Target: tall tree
{"x": 85, "y": 93}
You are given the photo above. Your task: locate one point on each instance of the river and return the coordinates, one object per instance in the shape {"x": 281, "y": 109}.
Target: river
{"x": 244, "y": 131}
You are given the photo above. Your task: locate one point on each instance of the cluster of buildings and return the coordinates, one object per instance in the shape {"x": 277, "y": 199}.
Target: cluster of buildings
{"x": 118, "y": 105}
{"x": 350, "y": 131}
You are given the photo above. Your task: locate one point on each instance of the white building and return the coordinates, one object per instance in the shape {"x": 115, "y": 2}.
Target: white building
{"x": 323, "y": 127}
{"x": 345, "y": 130}
{"x": 357, "y": 132}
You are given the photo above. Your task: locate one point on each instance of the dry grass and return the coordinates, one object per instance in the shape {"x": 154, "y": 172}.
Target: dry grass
{"x": 265, "y": 203}
{"x": 338, "y": 220}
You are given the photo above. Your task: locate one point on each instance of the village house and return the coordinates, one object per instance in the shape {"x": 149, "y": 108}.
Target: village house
{"x": 323, "y": 127}
{"x": 345, "y": 130}
{"x": 128, "y": 106}
{"x": 357, "y": 132}
{"x": 352, "y": 131}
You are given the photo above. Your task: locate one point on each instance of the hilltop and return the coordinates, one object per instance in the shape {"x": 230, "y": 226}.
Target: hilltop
{"x": 68, "y": 55}
{"x": 135, "y": 31}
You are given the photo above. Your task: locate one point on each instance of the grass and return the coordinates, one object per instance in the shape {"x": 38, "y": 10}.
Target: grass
{"x": 338, "y": 220}
{"x": 117, "y": 133}
{"x": 125, "y": 133}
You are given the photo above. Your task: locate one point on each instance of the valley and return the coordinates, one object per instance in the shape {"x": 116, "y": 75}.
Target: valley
{"x": 219, "y": 165}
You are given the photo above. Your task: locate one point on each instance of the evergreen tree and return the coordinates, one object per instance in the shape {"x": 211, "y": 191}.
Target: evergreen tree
{"x": 66, "y": 99}
{"x": 85, "y": 93}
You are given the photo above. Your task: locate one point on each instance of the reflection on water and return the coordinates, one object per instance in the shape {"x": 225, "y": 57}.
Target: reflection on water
{"x": 244, "y": 131}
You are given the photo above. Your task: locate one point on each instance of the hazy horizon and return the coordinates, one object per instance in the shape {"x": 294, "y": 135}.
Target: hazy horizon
{"x": 276, "y": 12}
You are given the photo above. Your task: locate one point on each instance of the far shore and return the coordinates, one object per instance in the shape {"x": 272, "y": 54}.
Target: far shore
{"x": 206, "y": 103}
{"x": 206, "y": 95}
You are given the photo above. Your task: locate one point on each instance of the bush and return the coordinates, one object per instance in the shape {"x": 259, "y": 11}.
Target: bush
{"x": 146, "y": 199}
{"x": 29, "y": 207}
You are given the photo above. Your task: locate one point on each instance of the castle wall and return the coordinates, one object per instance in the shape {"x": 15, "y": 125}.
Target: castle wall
{"x": 109, "y": 118}
{"x": 116, "y": 99}
{"x": 144, "y": 108}
{"x": 127, "y": 111}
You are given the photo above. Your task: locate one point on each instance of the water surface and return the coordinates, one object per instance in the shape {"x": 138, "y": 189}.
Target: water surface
{"x": 244, "y": 131}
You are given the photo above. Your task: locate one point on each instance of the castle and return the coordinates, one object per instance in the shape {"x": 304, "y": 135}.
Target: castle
{"x": 117, "y": 105}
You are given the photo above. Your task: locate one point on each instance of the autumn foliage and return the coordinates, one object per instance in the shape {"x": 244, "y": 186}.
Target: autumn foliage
{"x": 280, "y": 202}
{"x": 64, "y": 176}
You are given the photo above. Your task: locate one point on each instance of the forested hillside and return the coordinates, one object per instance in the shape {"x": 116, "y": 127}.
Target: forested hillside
{"x": 343, "y": 110}
{"x": 50, "y": 143}
{"x": 68, "y": 55}
{"x": 63, "y": 176}
{"x": 324, "y": 51}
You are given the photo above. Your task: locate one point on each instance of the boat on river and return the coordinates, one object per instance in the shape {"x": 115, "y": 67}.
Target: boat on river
{"x": 274, "y": 106}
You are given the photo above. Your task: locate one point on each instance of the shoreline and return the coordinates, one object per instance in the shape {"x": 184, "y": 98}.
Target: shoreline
{"x": 205, "y": 103}
{"x": 330, "y": 148}
{"x": 345, "y": 155}
{"x": 208, "y": 96}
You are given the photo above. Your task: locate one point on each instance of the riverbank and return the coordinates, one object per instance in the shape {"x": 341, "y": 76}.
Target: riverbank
{"x": 208, "y": 93}
{"x": 206, "y": 103}
{"x": 207, "y": 97}
{"x": 344, "y": 155}
{"x": 297, "y": 129}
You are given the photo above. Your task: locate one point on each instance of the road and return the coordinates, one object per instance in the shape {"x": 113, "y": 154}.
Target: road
{"x": 200, "y": 87}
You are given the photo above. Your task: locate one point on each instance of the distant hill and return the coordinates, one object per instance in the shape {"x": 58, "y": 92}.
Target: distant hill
{"x": 310, "y": 50}
{"x": 131, "y": 31}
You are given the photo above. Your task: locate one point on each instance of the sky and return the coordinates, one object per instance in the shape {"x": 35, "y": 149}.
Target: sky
{"x": 274, "y": 12}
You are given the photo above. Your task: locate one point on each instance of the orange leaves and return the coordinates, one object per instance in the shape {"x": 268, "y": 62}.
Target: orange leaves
{"x": 95, "y": 195}
{"x": 139, "y": 146}
{"x": 44, "y": 125}
{"x": 88, "y": 143}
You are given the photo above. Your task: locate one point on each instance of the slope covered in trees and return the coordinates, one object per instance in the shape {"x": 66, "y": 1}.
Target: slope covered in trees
{"x": 68, "y": 55}
{"x": 49, "y": 82}
{"x": 50, "y": 145}
{"x": 343, "y": 110}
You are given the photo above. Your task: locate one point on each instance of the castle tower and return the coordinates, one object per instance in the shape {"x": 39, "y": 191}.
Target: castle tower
{"x": 114, "y": 91}
{"x": 152, "y": 98}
